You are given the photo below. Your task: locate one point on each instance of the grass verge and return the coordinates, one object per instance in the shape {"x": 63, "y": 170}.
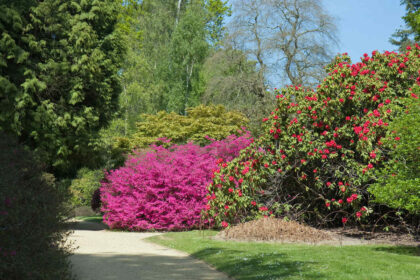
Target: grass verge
{"x": 95, "y": 219}
{"x": 257, "y": 260}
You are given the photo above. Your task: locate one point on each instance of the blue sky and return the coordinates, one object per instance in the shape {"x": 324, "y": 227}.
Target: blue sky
{"x": 365, "y": 25}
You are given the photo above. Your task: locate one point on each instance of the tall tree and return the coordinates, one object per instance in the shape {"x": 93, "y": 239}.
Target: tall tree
{"x": 288, "y": 38}
{"x": 58, "y": 75}
{"x": 188, "y": 50}
{"x": 233, "y": 80}
{"x": 411, "y": 33}
{"x": 163, "y": 62}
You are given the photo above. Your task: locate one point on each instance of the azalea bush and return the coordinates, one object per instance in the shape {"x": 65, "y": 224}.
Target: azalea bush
{"x": 165, "y": 188}
{"x": 321, "y": 148}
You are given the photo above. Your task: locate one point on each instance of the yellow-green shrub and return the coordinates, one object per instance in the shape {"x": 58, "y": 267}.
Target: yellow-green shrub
{"x": 199, "y": 124}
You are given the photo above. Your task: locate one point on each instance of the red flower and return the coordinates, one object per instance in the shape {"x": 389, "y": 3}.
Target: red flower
{"x": 327, "y": 204}
{"x": 263, "y": 208}
{"x": 344, "y": 220}
{"x": 225, "y": 224}
{"x": 328, "y": 184}
{"x": 340, "y": 201}
{"x": 230, "y": 190}
{"x": 253, "y": 203}
{"x": 358, "y": 214}
{"x": 226, "y": 207}
{"x": 231, "y": 178}
{"x": 240, "y": 180}
{"x": 315, "y": 170}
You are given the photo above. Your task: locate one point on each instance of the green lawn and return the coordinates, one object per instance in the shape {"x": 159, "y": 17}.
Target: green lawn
{"x": 253, "y": 260}
{"x": 95, "y": 219}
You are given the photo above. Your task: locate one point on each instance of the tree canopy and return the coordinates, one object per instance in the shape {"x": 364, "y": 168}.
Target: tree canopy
{"x": 59, "y": 80}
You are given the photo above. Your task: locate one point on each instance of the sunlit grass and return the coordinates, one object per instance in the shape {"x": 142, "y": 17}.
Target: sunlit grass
{"x": 95, "y": 218}
{"x": 257, "y": 260}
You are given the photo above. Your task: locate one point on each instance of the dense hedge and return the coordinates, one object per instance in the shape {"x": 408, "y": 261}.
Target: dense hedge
{"x": 32, "y": 228}
{"x": 165, "y": 188}
{"x": 321, "y": 148}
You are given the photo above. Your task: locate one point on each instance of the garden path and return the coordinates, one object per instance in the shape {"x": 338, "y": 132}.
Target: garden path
{"x": 109, "y": 255}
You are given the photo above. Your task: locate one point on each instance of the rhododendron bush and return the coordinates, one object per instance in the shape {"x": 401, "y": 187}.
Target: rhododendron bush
{"x": 165, "y": 188}
{"x": 321, "y": 147}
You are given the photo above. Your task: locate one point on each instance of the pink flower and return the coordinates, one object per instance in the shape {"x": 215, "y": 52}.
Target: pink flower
{"x": 358, "y": 214}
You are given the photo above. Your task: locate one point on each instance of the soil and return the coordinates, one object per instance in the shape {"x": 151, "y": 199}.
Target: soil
{"x": 278, "y": 230}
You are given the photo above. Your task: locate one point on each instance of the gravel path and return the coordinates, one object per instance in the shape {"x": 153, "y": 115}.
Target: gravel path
{"x": 109, "y": 255}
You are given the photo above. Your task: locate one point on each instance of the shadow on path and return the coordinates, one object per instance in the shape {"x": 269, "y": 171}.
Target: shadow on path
{"x": 108, "y": 266}
{"x": 83, "y": 225}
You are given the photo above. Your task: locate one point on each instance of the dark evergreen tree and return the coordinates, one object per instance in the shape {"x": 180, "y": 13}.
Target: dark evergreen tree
{"x": 411, "y": 33}
{"x": 59, "y": 81}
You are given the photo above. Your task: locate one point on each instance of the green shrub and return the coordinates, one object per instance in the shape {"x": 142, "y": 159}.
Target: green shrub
{"x": 398, "y": 183}
{"x": 199, "y": 123}
{"x": 32, "y": 228}
{"x": 85, "y": 184}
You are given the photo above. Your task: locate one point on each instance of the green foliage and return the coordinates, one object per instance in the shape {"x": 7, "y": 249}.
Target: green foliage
{"x": 199, "y": 123}
{"x": 233, "y": 81}
{"x": 167, "y": 46}
{"x": 84, "y": 185}
{"x": 404, "y": 37}
{"x": 32, "y": 228}
{"x": 398, "y": 183}
{"x": 188, "y": 50}
{"x": 412, "y": 18}
{"x": 58, "y": 75}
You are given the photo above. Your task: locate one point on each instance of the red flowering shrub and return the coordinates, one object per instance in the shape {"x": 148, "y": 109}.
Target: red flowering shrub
{"x": 165, "y": 188}
{"x": 320, "y": 148}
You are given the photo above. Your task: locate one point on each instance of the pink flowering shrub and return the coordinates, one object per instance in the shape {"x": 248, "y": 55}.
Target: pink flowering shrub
{"x": 165, "y": 188}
